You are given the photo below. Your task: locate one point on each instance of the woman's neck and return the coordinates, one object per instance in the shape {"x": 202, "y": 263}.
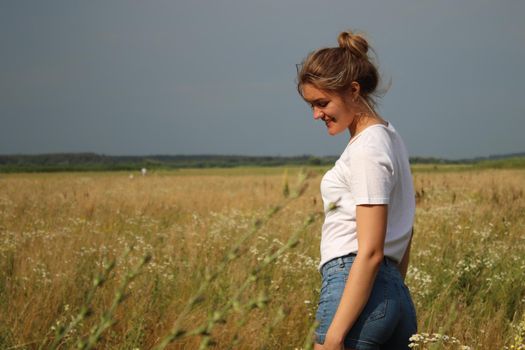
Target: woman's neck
{"x": 364, "y": 122}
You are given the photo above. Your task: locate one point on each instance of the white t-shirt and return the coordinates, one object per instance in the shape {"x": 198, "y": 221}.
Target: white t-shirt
{"x": 373, "y": 169}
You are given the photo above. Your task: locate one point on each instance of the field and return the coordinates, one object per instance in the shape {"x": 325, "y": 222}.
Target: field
{"x": 227, "y": 259}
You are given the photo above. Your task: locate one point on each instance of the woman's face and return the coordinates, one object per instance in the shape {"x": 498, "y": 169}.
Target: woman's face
{"x": 330, "y": 108}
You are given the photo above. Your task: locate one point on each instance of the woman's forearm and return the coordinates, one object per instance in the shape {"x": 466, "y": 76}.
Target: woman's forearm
{"x": 355, "y": 295}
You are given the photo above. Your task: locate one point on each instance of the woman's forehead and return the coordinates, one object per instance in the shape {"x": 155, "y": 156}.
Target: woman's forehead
{"x": 311, "y": 93}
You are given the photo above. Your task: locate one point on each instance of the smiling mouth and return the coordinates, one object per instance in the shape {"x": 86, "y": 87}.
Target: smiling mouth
{"x": 329, "y": 120}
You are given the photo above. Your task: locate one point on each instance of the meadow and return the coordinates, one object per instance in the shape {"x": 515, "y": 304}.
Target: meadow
{"x": 227, "y": 259}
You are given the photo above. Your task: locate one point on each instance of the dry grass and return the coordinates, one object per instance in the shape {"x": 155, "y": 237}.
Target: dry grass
{"x": 59, "y": 231}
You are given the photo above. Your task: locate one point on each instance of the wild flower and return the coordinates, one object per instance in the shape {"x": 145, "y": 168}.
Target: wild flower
{"x": 422, "y": 340}
{"x": 518, "y": 341}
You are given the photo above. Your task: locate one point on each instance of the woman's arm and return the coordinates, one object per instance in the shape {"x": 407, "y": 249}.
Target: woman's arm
{"x": 403, "y": 264}
{"x": 371, "y": 223}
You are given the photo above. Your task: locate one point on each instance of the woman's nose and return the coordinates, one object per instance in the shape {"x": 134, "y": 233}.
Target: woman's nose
{"x": 317, "y": 113}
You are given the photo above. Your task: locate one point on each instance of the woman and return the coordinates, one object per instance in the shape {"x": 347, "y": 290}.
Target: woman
{"x": 369, "y": 204}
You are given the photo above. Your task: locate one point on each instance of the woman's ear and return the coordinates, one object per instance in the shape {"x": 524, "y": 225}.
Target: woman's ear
{"x": 355, "y": 89}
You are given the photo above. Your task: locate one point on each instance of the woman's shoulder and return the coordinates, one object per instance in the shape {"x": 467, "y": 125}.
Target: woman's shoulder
{"x": 375, "y": 138}
{"x": 378, "y": 132}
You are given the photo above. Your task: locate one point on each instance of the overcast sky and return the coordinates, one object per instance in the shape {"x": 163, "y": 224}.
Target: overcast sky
{"x": 218, "y": 77}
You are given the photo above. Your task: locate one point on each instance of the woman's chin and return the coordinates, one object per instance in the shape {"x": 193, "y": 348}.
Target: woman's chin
{"x": 333, "y": 131}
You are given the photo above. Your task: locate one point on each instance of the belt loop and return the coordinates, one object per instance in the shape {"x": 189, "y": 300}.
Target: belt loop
{"x": 341, "y": 262}
{"x": 386, "y": 260}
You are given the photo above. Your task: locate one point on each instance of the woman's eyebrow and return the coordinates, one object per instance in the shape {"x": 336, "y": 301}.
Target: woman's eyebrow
{"x": 317, "y": 100}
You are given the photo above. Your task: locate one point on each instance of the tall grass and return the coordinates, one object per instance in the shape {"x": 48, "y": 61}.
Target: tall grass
{"x": 229, "y": 260}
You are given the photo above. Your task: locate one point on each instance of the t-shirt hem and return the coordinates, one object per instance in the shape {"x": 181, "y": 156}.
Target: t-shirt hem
{"x": 373, "y": 200}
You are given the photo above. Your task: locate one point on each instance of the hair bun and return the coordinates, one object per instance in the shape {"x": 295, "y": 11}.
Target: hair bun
{"x": 356, "y": 43}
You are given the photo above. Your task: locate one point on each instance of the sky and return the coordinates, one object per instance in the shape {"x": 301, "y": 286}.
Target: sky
{"x": 218, "y": 77}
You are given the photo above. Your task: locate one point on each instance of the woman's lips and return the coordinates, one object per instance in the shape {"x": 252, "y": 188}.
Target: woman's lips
{"x": 328, "y": 122}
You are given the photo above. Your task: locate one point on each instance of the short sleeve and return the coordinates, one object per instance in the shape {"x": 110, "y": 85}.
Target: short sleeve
{"x": 370, "y": 176}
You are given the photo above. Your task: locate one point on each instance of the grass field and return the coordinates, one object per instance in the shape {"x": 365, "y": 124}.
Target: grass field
{"x": 221, "y": 258}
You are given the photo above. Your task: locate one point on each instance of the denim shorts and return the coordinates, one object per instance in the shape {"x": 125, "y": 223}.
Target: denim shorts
{"x": 389, "y": 317}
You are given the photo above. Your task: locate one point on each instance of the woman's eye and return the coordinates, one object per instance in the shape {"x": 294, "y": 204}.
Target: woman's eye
{"x": 318, "y": 104}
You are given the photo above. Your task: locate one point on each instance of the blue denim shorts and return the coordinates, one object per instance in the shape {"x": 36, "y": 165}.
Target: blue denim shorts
{"x": 389, "y": 317}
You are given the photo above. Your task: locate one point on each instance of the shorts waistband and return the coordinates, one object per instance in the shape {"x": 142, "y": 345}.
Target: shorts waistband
{"x": 350, "y": 258}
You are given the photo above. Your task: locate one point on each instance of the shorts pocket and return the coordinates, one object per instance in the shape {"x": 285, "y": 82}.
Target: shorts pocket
{"x": 322, "y": 292}
{"x": 376, "y": 306}
{"x": 331, "y": 292}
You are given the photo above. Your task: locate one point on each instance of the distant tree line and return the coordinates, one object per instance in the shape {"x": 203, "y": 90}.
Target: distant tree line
{"x": 94, "y": 162}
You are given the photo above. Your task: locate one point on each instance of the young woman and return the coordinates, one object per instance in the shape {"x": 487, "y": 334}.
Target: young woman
{"x": 369, "y": 206}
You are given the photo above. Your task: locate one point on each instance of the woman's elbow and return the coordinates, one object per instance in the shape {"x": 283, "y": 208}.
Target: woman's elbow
{"x": 373, "y": 256}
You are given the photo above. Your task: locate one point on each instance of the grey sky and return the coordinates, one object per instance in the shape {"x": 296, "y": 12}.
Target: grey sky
{"x": 218, "y": 77}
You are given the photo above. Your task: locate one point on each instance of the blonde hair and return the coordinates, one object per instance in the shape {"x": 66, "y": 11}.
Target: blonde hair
{"x": 334, "y": 69}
